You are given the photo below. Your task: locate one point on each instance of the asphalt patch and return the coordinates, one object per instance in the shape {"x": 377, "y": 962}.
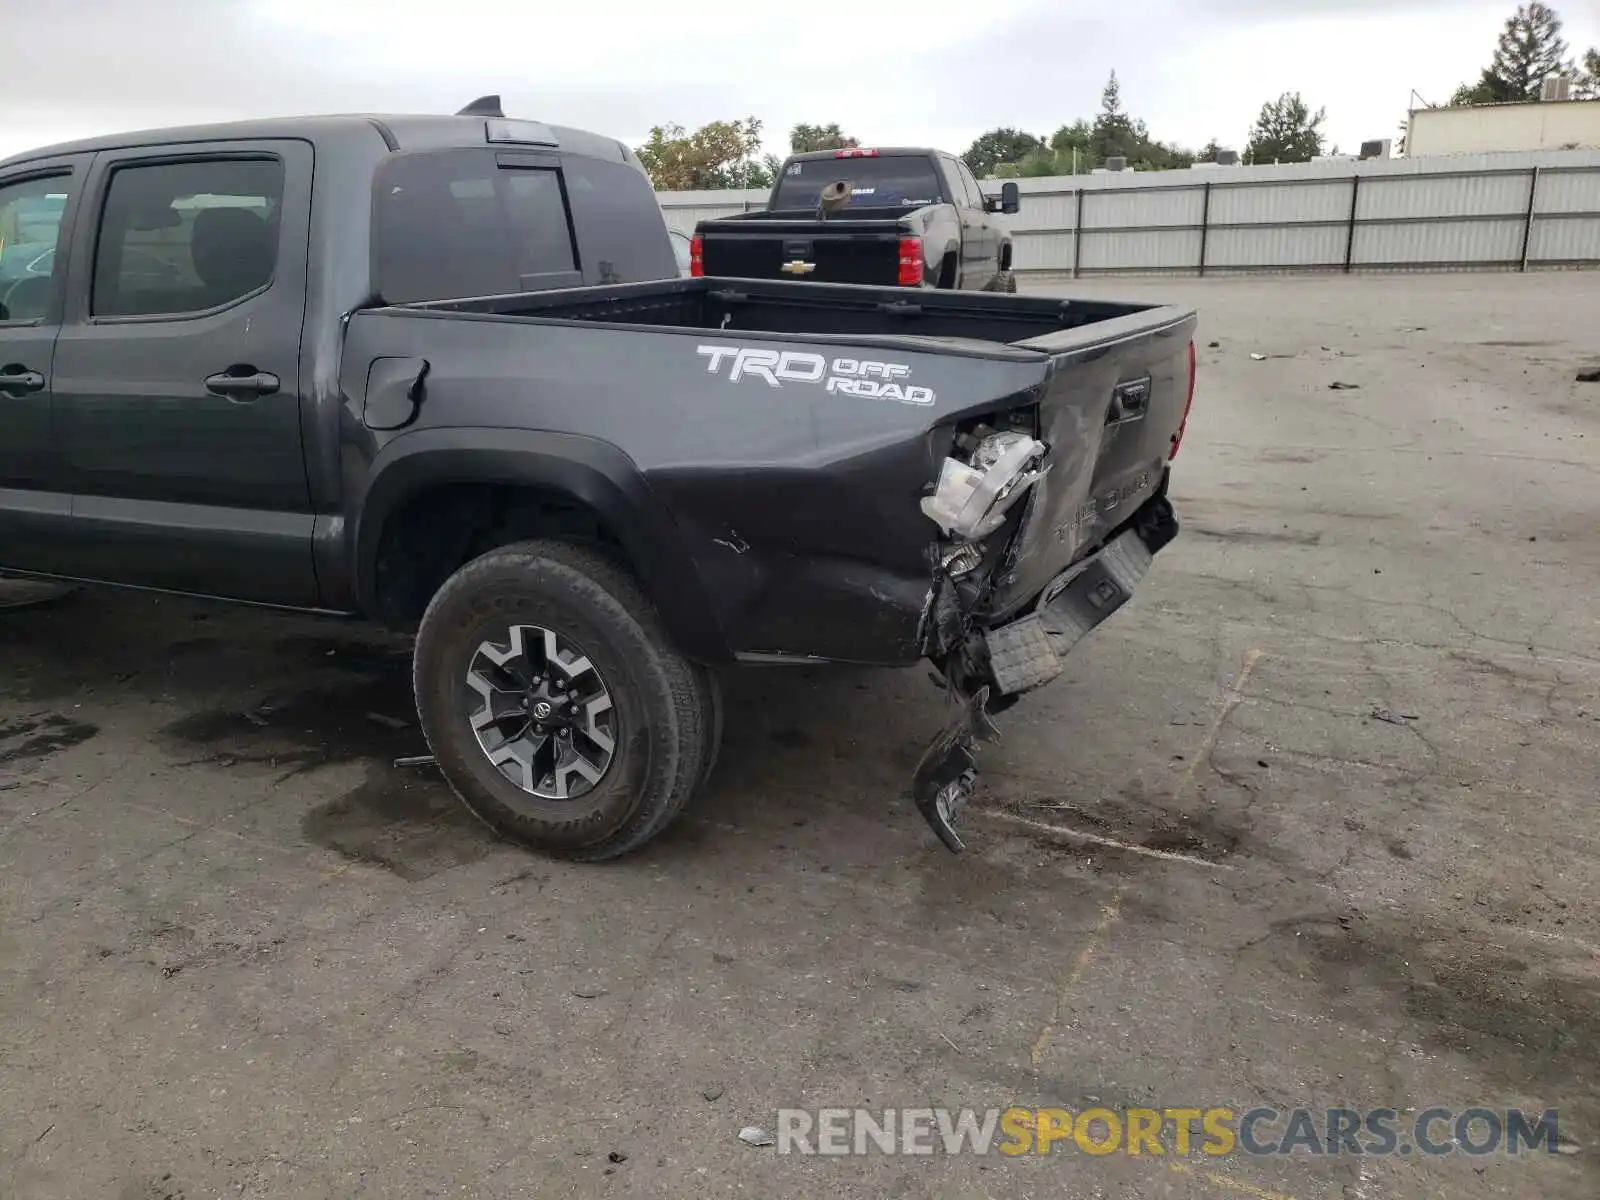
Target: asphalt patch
{"x": 30, "y": 740}
{"x": 1528, "y": 1020}
{"x": 405, "y": 821}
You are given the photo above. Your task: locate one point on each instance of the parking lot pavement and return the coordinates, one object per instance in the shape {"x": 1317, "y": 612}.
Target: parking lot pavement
{"x": 1310, "y": 823}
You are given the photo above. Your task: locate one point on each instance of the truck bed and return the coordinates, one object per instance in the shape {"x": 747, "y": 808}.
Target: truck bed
{"x": 982, "y": 323}
{"x": 803, "y": 423}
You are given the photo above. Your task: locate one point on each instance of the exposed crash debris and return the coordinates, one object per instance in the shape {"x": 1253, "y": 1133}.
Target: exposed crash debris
{"x": 947, "y": 773}
{"x": 972, "y": 498}
{"x": 752, "y": 1135}
{"x": 414, "y": 760}
{"x": 986, "y": 665}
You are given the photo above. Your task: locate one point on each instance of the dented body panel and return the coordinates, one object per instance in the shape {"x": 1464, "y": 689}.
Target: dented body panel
{"x": 791, "y": 457}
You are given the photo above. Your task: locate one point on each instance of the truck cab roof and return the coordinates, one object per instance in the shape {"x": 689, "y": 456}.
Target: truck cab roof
{"x": 399, "y": 132}
{"x": 865, "y": 152}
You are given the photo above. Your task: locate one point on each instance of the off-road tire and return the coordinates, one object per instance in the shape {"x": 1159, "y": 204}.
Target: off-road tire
{"x": 668, "y": 709}
{"x": 712, "y": 747}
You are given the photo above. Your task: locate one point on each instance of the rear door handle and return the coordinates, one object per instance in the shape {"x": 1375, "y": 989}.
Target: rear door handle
{"x": 242, "y": 383}
{"x": 20, "y": 380}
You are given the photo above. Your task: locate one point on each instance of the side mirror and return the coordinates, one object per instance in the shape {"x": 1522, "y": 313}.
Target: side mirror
{"x": 1010, "y": 197}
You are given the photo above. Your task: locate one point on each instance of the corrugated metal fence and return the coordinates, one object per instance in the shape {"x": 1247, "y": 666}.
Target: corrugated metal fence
{"x": 1469, "y": 212}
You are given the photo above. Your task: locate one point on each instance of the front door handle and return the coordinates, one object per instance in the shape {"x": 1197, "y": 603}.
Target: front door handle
{"x": 242, "y": 383}
{"x": 19, "y": 380}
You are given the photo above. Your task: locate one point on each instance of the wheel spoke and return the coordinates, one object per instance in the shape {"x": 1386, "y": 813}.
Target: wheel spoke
{"x": 525, "y": 690}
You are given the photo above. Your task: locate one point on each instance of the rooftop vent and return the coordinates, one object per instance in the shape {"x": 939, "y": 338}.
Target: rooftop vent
{"x": 1555, "y": 87}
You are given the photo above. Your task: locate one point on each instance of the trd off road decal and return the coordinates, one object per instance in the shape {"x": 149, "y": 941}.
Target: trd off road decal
{"x": 864, "y": 377}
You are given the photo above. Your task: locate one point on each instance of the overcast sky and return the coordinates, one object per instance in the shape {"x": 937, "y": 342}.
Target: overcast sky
{"x": 889, "y": 71}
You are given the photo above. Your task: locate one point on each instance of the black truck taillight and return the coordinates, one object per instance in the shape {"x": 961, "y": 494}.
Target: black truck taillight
{"x": 910, "y": 262}
{"x": 697, "y": 256}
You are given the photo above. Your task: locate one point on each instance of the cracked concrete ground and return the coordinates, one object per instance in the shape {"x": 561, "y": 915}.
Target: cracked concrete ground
{"x": 247, "y": 956}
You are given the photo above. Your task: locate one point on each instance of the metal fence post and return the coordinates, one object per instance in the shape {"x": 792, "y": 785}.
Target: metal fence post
{"x": 1205, "y": 222}
{"x": 1350, "y": 233}
{"x": 1077, "y": 235}
{"x": 1527, "y": 220}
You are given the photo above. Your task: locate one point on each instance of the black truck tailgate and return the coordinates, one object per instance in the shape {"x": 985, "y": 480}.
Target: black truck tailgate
{"x": 1113, "y": 409}
{"x": 835, "y": 251}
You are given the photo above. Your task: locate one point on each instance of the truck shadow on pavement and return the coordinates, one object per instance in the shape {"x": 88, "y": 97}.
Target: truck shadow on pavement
{"x": 260, "y": 695}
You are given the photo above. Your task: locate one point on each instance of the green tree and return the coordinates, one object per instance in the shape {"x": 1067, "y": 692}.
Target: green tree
{"x": 1073, "y": 147}
{"x": 803, "y": 139}
{"x": 721, "y": 154}
{"x": 1530, "y": 47}
{"x": 1210, "y": 151}
{"x": 1114, "y": 132}
{"x": 1286, "y": 130}
{"x": 999, "y": 146}
{"x": 1588, "y": 81}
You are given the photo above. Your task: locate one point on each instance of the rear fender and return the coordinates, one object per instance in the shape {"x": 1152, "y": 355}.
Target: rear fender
{"x": 588, "y": 470}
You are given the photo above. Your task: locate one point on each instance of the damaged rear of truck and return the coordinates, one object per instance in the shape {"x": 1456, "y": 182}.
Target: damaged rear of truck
{"x": 843, "y": 474}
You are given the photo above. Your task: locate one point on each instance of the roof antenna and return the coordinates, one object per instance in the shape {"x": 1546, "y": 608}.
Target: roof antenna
{"x": 483, "y": 106}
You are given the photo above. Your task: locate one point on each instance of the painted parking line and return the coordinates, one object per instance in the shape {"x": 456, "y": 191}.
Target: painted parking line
{"x": 1232, "y": 696}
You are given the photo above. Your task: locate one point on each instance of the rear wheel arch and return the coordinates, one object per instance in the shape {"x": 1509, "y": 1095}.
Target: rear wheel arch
{"x": 439, "y": 498}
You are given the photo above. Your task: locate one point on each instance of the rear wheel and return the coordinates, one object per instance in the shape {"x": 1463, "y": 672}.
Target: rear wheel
{"x": 554, "y": 704}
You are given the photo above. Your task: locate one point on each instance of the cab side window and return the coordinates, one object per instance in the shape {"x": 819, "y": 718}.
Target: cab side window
{"x": 970, "y": 182}
{"x": 30, "y": 226}
{"x": 177, "y": 239}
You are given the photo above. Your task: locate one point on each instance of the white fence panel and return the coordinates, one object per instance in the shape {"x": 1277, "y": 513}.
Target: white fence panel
{"x": 1452, "y": 211}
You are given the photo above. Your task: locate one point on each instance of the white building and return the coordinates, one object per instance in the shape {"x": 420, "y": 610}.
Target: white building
{"x": 1491, "y": 128}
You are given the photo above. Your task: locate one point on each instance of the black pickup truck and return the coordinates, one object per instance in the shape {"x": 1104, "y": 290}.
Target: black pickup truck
{"x": 904, "y": 217}
{"x": 441, "y": 372}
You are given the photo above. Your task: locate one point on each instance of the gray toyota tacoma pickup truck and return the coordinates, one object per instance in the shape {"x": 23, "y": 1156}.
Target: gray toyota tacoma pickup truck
{"x": 441, "y": 372}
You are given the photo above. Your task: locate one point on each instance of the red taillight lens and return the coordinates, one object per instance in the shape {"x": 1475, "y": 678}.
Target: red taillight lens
{"x": 910, "y": 262}
{"x": 697, "y": 256}
{"x": 1188, "y": 403}
{"x": 855, "y": 152}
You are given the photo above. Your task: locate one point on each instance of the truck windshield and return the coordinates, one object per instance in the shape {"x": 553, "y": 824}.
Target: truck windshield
{"x": 889, "y": 181}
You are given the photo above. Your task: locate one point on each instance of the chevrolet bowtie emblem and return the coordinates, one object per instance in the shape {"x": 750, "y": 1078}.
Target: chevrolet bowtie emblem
{"x": 799, "y": 268}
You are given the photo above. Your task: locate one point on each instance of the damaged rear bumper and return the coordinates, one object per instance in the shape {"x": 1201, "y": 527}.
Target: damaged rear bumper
{"x": 1030, "y": 651}
{"x": 992, "y": 666}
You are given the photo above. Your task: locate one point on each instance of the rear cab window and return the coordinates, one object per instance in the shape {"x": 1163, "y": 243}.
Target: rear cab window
{"x": 876, "y": 181}
{"x": 461, "y": 223}
{"x": 454, "y": 224}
